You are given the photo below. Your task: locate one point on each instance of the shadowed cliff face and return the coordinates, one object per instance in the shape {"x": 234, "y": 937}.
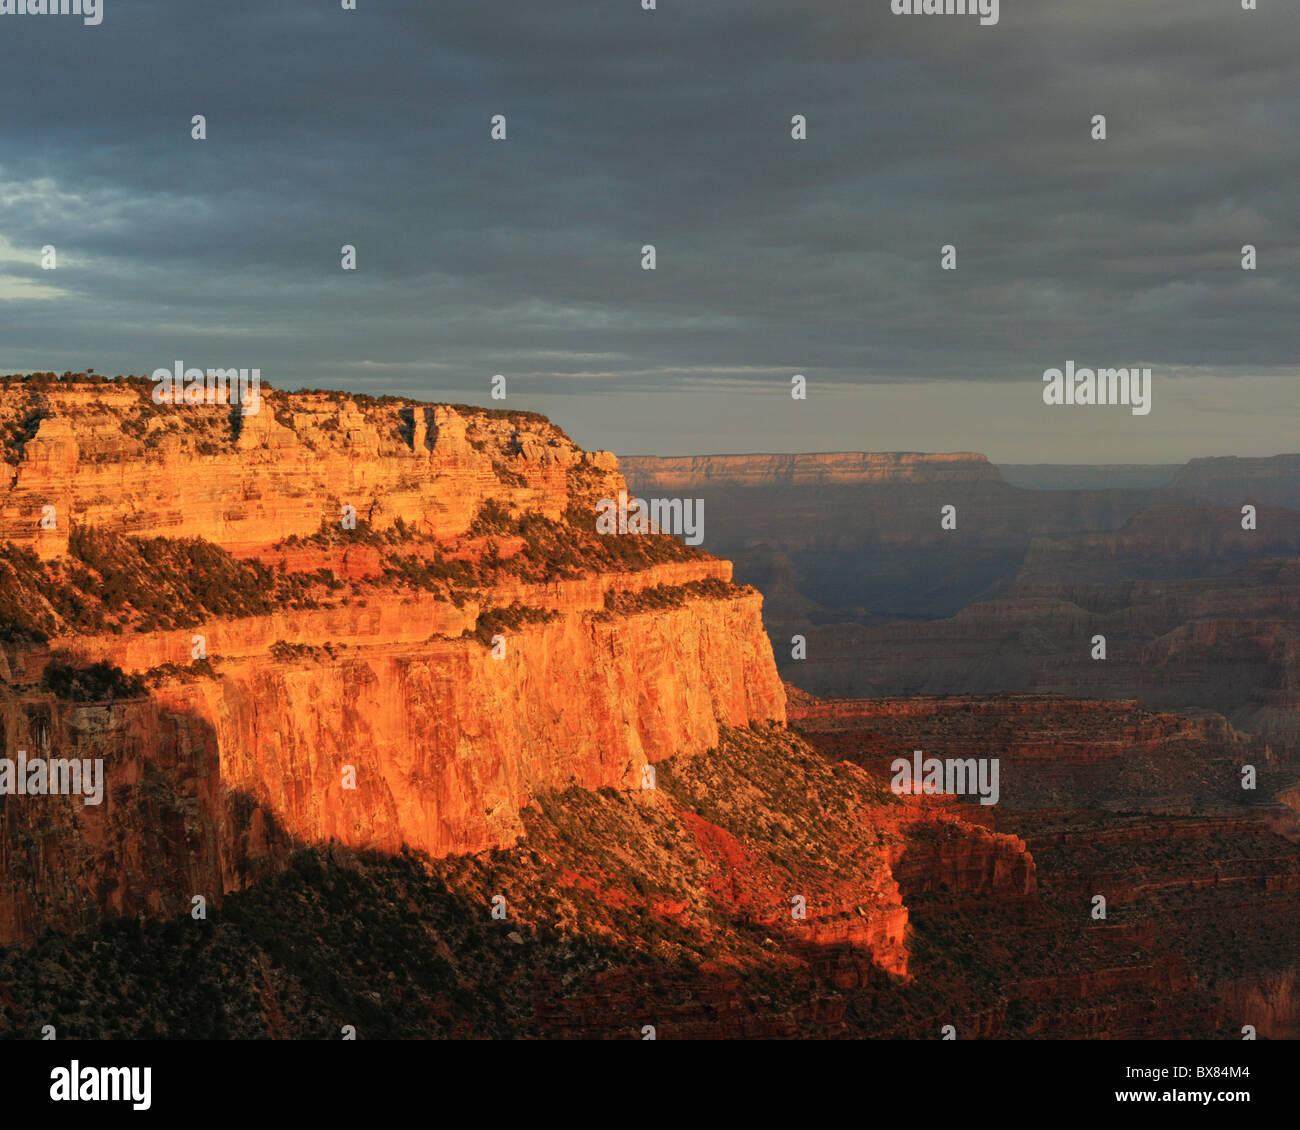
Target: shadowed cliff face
{"x": 1196, "y": 609}
{"x": 446, "y": 743}
{"x": 857, "y": 537}
{"x": 1201, "y": 877}
{"x": 1228, "y": 643}
{"x": 674, "y": 907}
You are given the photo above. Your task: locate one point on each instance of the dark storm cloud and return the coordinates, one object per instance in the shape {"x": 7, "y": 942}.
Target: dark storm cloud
{"x": 669, "y": 127}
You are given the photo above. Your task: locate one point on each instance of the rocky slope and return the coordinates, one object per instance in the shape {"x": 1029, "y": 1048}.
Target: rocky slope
{"x": 1201, "y": 877}
{"x": 673, "y": 907}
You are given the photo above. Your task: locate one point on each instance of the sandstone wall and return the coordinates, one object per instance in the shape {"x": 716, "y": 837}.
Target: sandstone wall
{"x": 211, "y": 783}
{"x": 102, "y": 456}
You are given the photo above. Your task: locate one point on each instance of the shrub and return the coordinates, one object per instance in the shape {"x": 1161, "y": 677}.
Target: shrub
{"x": 100, "y": 682}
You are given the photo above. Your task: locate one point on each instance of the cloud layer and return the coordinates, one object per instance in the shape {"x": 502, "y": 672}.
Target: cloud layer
{"x": 669, "y": 127}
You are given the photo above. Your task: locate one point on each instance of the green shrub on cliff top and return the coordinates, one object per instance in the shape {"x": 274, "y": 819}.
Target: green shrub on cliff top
{"x": 100, "y": 682}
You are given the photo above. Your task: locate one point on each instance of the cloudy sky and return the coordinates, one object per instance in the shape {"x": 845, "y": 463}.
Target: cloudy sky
{"x": 672, "y": 127}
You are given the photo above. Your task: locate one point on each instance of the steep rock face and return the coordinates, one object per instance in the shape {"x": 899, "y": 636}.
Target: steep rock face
{"x": 977, "y": 865}
{"x": 1270, "y": 1004}
{"x": 210, "y": 782}
{"x": 153, "y": 842}
{"x": 105, "y": 455}
{"x": 461, "y": 740}
{"x": 419, "y": 691}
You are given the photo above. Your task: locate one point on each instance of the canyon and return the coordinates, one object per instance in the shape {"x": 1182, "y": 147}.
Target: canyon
{"x": 1195, "y": 609}
{"x": 433, "y": 758}
{"x": 1200, "y": 876}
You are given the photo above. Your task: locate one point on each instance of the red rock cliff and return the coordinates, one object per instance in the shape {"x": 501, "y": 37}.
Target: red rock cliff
{"x": 211, "y": 778}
